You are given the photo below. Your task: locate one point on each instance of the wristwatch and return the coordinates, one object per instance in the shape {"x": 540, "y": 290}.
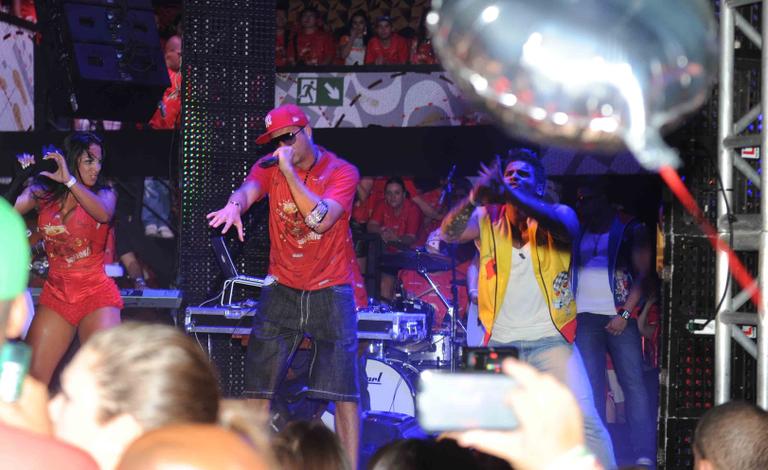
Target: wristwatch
{"x": 624, "y": 313}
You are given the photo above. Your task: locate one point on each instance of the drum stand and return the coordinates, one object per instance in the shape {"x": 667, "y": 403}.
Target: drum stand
{"x": 451, "y": 310}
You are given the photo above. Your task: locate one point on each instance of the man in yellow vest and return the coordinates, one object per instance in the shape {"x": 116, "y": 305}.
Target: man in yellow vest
{"x": 524, "y": 296}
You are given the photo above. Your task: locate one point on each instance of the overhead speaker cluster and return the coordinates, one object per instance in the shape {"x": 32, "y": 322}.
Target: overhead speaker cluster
{"x": 105, "y": 60}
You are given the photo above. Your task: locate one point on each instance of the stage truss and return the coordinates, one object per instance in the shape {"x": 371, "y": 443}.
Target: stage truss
{"x": 746, "y": 232}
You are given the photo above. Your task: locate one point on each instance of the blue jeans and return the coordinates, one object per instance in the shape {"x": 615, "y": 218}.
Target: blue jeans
{"x": 626, "y": 352}
{"x": 157, "y": 197}
{"x": 555, "y": 356}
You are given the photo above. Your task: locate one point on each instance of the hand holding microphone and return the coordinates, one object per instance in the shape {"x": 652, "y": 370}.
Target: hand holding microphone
{"x": 268, "y": 162}
{"x": 275, "y": 159}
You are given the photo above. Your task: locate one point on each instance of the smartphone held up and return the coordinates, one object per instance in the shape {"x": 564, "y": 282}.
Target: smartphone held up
{"x": 472, "y": 399}
{"x": 14, "y": 364}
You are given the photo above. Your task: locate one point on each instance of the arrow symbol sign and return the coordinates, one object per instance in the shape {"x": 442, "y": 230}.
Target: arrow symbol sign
{"x": 333, "y": 92}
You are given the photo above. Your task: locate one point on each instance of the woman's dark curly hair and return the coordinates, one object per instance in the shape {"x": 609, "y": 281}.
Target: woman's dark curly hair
{"x": 75, "y": 145}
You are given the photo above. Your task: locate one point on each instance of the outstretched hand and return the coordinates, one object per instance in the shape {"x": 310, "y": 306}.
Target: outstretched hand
{"x": 228, "y": 215}
{"x": 61, "y": 175}
{"x": 490, "y": 186}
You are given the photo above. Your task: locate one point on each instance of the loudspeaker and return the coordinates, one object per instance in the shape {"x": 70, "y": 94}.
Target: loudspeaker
{"x": 382, "y": 427}
{"x": 104, "y": 58}
{"x": 100, "y": 24}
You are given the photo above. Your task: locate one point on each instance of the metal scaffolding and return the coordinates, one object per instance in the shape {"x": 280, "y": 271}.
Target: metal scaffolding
{"x": 746, "y": 232}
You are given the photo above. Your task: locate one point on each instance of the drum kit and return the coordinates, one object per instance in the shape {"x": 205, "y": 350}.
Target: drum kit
{"x": 400, "y": 340}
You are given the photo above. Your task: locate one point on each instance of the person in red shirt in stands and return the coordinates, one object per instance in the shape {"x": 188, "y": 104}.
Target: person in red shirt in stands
{"x": 283, "y": 53}
{"x": 421, "y": 45}
{"x": 353, "y": 41}
{"x": 313, "y": 45}
{"x": 311, "y": 269}
{"x": 388, "y": 47}
{"x": 397, "y": 220}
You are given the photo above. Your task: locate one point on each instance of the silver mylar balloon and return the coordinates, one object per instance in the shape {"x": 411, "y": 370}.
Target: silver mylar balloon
{"x": 594, "y": 74}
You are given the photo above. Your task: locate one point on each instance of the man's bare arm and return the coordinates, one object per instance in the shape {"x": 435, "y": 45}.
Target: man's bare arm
{"x": 238, "y": 202}
{"x": 461, "y": 224}
{"x": 558, "y": 219}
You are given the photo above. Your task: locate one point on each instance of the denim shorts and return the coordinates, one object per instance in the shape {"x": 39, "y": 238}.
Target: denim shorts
{"x": 285, "y": 315}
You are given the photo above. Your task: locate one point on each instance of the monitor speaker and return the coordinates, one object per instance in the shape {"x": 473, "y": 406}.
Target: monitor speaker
{"x": 104, "y": 59}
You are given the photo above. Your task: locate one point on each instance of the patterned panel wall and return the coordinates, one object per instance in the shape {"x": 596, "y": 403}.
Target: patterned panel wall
{"x": 229, "y": 82}
{"x": 17, "y": 78}
{"x": 228, "y": 88}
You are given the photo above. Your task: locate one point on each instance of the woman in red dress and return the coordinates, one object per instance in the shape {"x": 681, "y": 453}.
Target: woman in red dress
{"x": 75, "y": 208}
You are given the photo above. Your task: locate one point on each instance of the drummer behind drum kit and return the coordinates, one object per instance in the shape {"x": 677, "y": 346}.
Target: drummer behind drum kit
{"x": 400, "y": 340}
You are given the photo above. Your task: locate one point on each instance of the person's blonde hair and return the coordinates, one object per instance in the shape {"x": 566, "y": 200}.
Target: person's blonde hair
{"x": 154, "y": 373}
{"x": 248, "y": 421}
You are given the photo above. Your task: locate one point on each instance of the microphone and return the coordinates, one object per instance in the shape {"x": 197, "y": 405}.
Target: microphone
{"x": 161, "y": 107}
{"x": 269, "y": 162}
{"x": 447, "y": 189}
{"x": 44, "y": 165}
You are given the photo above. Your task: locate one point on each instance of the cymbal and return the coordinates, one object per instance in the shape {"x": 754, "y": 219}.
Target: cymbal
{"x": 416, "y": 260}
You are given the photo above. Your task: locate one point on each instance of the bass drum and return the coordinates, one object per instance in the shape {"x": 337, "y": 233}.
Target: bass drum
{"x": 391, "y": 387}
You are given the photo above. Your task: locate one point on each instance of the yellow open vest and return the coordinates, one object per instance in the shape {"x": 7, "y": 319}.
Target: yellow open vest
{"x": 551, "y": 262}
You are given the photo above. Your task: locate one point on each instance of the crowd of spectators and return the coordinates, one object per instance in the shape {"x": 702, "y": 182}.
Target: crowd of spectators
{"x": 362, "y": 41}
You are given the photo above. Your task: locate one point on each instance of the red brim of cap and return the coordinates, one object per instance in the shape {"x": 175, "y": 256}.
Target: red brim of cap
{"x": 264, "y": 138}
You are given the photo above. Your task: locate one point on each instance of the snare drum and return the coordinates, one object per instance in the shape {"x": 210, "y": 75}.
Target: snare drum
{"x": 416, "y": 306}
{"x": 433, "y": 352}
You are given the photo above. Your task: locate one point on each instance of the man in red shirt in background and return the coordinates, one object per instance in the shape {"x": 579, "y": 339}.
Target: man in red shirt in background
{"x": 313, "y": 45}
{"x": 397, "y": 220}
{"x": 168, "y": 114}
{"x": 156, "y": 212}
{"x": 311, "y": 267}
{"x": 388, "y": 47}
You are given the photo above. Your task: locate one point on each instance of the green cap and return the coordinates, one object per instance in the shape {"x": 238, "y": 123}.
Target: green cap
{"x": 14, "y": 252}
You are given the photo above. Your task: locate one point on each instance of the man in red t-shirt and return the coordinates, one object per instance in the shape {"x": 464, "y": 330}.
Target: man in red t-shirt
{"x": 169, "y": 116}
{"x": 313, "y": 45}
{"x": 156, "y": 211}
{"x": 397, "y": 220}
{"x": 388, "y": 47}
{"x": 311, "y": 266}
